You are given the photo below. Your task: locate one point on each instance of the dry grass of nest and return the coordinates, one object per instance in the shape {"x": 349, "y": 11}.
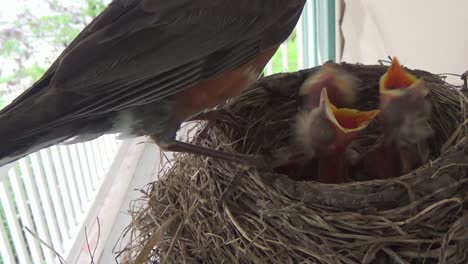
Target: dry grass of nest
{"x": 268, "y": 218}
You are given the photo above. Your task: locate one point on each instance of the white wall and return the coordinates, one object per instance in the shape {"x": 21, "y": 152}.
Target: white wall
{"x": 424, "y": 34}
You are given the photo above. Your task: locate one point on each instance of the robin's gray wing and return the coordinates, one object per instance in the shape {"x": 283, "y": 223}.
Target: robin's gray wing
{"x": 154, "y": 49}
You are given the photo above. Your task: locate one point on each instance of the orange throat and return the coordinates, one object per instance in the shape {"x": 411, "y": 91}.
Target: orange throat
{"x": 396, "y": 77}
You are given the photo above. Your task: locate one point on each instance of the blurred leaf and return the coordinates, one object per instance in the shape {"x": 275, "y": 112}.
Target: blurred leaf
{"x": 5, "y": 79}
{"x": 10, "y": 46}
{"x": 35, "y": 71}
{"x": 59, "y": 28}
{"x": 94, "y": 7}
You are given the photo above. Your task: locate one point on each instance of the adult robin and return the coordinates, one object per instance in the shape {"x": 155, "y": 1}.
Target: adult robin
{"x": 142, "y": 67}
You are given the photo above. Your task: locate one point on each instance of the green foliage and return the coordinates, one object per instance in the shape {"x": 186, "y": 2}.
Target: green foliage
{"x": 93, "y": 7}
{"x": 10, "y": 46}
{"x": 6, "y": 78}
{"x": 277, "y": 61}
{"x": 63, "y": 27}
{"x": 29, "y": 44}
{"x": 35, "y": 71}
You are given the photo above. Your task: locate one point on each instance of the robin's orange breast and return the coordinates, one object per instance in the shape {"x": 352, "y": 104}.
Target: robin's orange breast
{"x": 212, "y": 92}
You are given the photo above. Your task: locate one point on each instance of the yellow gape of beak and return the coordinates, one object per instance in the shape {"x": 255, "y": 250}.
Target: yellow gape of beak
{"x": 345, "y": 119}
{"x": 397, "y": 82}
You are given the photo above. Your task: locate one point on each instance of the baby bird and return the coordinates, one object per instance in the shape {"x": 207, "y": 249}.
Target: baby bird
{"x": 342, "y": 87}
{"x": 404, "y": 120}
{"x": 326, "y": 131}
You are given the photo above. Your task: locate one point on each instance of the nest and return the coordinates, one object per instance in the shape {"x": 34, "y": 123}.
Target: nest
{"x": 204, "y": 210}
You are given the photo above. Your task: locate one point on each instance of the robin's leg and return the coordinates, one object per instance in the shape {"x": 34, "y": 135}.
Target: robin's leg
{"x": 178, "y": 146}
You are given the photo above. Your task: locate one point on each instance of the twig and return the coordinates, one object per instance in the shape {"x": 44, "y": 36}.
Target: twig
{"x": 98, "y": 237}
{"x": 87, "y": 244}
{"x": 62, "y": 260}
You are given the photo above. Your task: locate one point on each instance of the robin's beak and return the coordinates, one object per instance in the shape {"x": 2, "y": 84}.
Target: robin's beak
{"x": 348, "y": 124}
{"x": 397, "y": 83}
{"x": 341, "y": 86}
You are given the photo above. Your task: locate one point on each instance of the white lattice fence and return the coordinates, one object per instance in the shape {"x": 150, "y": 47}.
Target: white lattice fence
{"x": 50, "y": 193}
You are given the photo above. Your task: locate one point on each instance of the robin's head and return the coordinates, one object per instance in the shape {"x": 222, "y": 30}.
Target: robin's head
{"x": 398, "y": 84}
{"x": 342, "y": 86}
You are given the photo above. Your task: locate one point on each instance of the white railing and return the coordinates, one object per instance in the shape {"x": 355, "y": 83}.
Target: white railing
{"x": 50, "y": 193}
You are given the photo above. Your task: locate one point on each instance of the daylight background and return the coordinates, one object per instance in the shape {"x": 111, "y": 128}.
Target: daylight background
{"x": 32, "y": 35}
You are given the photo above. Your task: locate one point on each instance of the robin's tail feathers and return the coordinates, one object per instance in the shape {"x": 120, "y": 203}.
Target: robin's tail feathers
{"x": 12, "y": 152}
